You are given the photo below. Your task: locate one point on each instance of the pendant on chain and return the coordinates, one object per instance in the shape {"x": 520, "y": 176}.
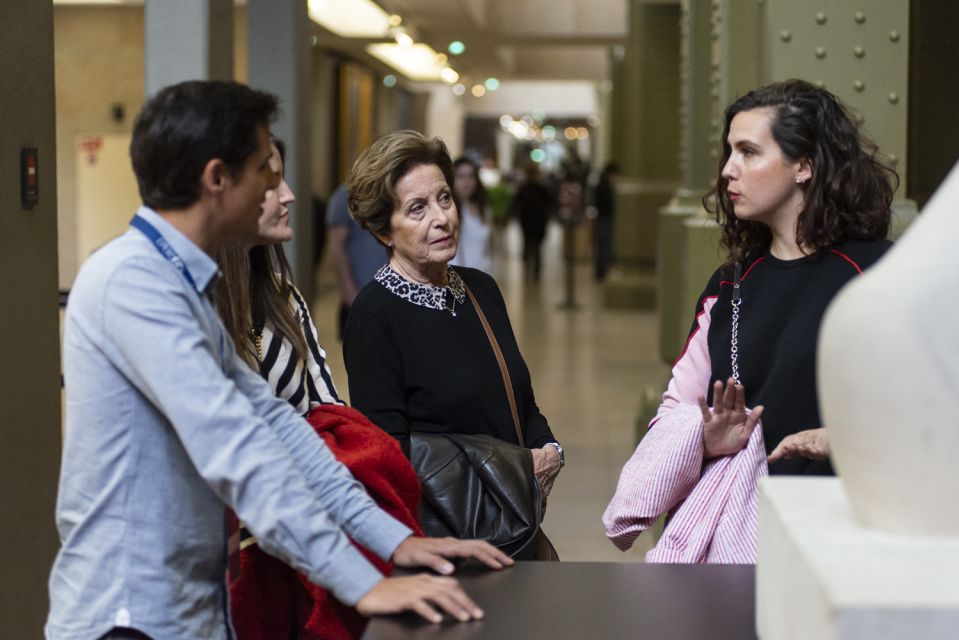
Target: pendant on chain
{"x": 451, "y": 307}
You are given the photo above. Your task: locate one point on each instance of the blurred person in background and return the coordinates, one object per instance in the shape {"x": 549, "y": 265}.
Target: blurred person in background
{"x": 532, "y": 205}
{"x": 356, "y": 255}
{"x": 605, "y": 203}
{"x": 475, "y": 239}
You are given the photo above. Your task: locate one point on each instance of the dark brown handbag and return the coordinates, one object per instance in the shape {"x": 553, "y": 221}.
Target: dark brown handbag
{"x": 477, "y": 486}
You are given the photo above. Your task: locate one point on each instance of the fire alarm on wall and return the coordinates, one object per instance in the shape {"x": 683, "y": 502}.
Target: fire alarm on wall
{"x": 29, "y": 178}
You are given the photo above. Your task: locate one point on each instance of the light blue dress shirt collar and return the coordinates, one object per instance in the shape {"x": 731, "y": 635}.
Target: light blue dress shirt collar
{"x": 201, "y": 266}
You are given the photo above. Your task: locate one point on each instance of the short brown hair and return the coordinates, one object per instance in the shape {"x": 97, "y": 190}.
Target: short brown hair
{"x": 186, "y": 125}
{"x": 371, "y": 188}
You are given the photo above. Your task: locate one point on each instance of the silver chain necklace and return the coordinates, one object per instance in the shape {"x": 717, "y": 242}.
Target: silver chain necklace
{"x": 734, "y": 340}
{"x": 451, "y": 307}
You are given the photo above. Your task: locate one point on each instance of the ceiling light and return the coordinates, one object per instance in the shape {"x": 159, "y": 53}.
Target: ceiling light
{"x": 402, "y": 37}
{"x": 505, "y": 120}
{"x": 491, "y": 84}
{"x": 537, "y": 155}
{"x": 459, "y": 89}
{"x": 456, "y": 47}
{"x": 478, "y": 90}
{"x": 518, "y": 128}
{"x": 441, "y": 58}
{"x": 350, "y": 18}
{"x": 570, "y": 133}
{"x": 389, "y": 80}
{"x": 395, "y": 20}
{"x": 582, "y": 132}
{"x": 416, "y": 62}
{"x": 449, "y": 75}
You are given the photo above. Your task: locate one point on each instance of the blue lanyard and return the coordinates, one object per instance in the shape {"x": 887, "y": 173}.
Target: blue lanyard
{"x": 163, "y": 247}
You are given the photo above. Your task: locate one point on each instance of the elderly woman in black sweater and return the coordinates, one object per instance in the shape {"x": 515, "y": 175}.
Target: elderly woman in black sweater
{"x": 415, "y": 348}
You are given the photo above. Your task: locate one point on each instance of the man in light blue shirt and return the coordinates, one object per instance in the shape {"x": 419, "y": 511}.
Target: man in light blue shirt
{"x": 166, "y": 425}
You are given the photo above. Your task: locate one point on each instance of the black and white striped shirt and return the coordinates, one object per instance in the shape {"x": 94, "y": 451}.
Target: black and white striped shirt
{"x": 304, "y": 383}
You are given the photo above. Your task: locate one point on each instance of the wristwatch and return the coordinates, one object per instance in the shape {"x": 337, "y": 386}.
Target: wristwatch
{"x": 559, "y": 450}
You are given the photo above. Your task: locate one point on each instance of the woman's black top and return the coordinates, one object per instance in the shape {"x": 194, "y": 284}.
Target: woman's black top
{"x": 415, "y": 366}
{"x": 783, "y": 302}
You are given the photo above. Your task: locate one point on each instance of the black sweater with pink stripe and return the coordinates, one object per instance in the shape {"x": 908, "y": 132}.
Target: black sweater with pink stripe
{"x": 783, "y": 302}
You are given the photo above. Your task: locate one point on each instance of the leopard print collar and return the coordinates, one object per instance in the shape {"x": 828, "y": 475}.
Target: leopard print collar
{"x": 424, "y": 295}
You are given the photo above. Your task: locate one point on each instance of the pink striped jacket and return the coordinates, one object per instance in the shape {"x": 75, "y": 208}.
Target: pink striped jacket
{"x": 712, "y": 506}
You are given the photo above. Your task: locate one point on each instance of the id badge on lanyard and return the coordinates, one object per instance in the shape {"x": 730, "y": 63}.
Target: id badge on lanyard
{"x": 174, "y": 258}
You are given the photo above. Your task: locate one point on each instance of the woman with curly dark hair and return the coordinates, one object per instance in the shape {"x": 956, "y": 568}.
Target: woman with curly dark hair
{"x": 804, "y": 206}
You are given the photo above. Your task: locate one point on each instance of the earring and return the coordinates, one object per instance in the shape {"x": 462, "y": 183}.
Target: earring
{"x": 800, "y": 180}
{"x": 389, "y": 244}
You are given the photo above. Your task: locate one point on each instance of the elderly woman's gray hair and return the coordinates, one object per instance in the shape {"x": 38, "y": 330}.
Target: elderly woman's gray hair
{"x": 371, "y": 188}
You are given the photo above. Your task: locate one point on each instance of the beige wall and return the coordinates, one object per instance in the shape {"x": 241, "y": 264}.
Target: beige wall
{"x": 107, "y": 192}
{"x": 445, "y": 115}
{"x": 99, "y": 63}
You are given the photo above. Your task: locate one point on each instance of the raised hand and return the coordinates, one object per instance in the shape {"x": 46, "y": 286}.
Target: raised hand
{"x": 727, "y": 427}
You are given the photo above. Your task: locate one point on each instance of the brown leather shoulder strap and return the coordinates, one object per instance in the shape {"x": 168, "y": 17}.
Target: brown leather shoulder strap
{"x": 502, "y": 365}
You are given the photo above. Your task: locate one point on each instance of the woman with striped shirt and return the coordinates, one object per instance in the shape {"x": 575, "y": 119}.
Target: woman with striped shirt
{"x": 266, "y": 315}
{"x": 270, "y": 323}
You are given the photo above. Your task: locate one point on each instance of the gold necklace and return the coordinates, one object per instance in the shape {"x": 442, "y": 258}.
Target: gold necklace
{"x": 257, "y": 335}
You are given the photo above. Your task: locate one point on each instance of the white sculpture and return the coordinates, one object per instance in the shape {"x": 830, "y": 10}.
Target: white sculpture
{"x": 888, "y": 376}
{"x": 874, "y": 554}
